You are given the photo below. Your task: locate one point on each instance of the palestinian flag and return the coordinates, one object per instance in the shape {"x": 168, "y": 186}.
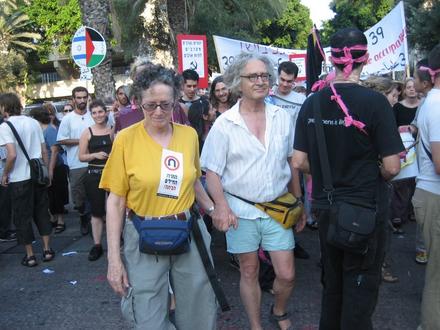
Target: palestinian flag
{"x": 88, "y": 47}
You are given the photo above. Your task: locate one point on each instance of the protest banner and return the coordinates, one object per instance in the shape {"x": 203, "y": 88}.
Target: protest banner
{"x": 227, "y": 49}
{"x": 387, "y": 46}
{"x": 387, "y": 43}
{"x": 193, "y": 54}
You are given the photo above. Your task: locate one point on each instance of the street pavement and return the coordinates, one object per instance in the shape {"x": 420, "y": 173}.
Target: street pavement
{"x": 76, "y": 294}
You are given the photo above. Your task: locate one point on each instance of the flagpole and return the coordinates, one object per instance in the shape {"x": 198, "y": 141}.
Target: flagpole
{"x": 405, "y": 45}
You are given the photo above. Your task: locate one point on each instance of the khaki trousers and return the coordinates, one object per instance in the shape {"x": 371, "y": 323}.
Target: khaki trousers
{"x": 427, "y": 211}
{"x": 147, "y": 301}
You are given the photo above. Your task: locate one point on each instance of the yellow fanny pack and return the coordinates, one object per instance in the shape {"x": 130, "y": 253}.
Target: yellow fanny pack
{"x": 286, "y": 209}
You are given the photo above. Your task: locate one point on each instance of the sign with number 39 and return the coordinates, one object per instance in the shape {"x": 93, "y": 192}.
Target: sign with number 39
{"x": 387, "y": 43}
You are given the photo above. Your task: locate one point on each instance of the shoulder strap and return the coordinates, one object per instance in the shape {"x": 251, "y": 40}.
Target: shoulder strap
{"x": 243, "y": 199}
{"x": 209, "y": 268}
{"x": 426, "y": 149}
{"x": 322, "y": 148}
{"x": 17, "y": 137}
{"x": 90, "y": 129}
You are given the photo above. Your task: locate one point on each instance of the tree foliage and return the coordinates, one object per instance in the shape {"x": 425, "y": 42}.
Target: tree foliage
{"x": 13, "y": 71}
{"x": 423, "y": 22}
{"x": 290, "y": 30}
{"x": 57, "y": 21}
{"x": 15, "y": 30}
{"x": 361, "y": 14}
{"x": 232, "y": 19}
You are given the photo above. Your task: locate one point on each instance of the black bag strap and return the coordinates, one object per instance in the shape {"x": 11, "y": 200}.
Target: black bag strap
{"x": 210, "y": 271}
{"x": 322, "y": 149}
{"x": 426, "y": 149}
{"x": 17, "y": 137}
{"x": 243, "y": 199}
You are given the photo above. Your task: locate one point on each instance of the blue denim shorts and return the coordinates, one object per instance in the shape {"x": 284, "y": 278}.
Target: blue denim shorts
{"x": 252, "y": 234}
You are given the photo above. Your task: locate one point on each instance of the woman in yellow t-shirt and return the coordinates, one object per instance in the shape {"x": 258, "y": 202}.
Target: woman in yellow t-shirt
{"x": 154, "y": 171}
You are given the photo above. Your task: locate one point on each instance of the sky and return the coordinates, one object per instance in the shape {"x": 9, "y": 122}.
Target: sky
{"x": 319, "y": 10}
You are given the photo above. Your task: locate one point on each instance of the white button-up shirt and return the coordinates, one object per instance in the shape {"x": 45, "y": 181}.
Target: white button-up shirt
{"x": 249, "y": 169}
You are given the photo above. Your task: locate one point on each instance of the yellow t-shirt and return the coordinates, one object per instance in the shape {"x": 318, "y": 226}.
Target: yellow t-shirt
{"x": 134, "y": 167}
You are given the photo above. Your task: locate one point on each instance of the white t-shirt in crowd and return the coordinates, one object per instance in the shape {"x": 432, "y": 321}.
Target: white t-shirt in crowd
{"x": 3, "y": 154}
{"x": 291, "y": 102}
{"x": 428, "y": 122}
{"x": 71, "y": 127}
{"x": 32, "y": 137}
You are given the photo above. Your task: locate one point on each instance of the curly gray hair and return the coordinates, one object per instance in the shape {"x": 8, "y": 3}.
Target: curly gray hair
{"x": 155, "y": 74}
{"x": 232, "y": 75}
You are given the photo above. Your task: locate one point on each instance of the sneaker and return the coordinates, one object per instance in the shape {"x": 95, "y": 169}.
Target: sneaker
{"x": 421, "y": 257}
{"x": 9, "y": 237}
{"x": 96, "y": 252}
{"x": 300, "y": 253}
{"x": 84, "y": 224}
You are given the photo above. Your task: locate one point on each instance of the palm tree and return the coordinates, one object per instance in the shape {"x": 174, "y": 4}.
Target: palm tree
{"x": 14, "y": 29}
{"x": 95, "y": 14}
{"x": 164, "y": 19}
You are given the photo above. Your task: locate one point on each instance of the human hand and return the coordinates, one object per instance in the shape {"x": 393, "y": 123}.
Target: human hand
{"x": 5, "y": 180}
{"x": 223, "y": 218}
{"x": 302, "y": 222}
{"x": 100, "y": 155}
{"x": 117, "y": 277}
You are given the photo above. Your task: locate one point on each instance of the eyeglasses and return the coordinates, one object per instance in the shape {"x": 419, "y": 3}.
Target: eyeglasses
{"x": 165, "y": 106}
{"x": 67, "y": 110}
{"x": 254, "y": 77}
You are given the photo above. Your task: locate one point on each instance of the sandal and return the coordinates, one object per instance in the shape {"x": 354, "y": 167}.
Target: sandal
{"x": 275, "y": 319}
{"x": 60, "y": 227}
{"x": 30, "y": 261}
{"x": 312, "y": 225}
{"x": 48, "y": 255}
{"x": 388, "y": 277}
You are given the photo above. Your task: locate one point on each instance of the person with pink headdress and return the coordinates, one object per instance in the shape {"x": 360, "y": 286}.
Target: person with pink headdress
{"x": 358, "y": 128}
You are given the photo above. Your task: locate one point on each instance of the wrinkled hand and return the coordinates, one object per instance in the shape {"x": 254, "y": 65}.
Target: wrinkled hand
{"x": 302, "y": 222}
{"x": 117, "y": 277}
{"x": 101, "y": 155}
{"x": 223, "y": 218}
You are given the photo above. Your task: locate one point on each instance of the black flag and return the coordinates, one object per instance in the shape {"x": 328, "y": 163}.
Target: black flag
{"x": 315, "y": 57}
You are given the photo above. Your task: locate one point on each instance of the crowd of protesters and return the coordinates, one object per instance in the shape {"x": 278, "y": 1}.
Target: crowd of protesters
{"x": 135, "y": 159}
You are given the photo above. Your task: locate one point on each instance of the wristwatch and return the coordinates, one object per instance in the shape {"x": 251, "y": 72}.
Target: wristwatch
{"x": 210, "y": 210}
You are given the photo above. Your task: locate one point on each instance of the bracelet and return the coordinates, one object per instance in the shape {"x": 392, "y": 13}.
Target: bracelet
{"x": 210, "y": 210}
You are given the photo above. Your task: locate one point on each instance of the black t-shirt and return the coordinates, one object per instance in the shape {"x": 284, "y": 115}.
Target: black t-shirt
{"x": 403, "y": 115}
{"x": 191, "y": 102}
{"x": 353, "y": 155}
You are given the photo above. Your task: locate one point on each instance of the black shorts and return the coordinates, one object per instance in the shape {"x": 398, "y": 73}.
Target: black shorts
{"x": 95, "y": 196}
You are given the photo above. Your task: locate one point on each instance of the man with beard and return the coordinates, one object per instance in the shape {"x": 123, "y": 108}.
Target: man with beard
{"x": 71, "y": 128}
{"x": 121, "y": 101}
{"x": 126, "y": 114}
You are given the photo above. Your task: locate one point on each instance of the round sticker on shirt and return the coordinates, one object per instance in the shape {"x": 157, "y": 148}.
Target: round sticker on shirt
{"x": 172, "y": 163}
{"x": 171, "y": 174}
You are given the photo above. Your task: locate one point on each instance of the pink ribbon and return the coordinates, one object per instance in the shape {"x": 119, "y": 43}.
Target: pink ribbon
{"x": 348, "y": 120}
{"x": 347, "y": 60}
{"x": 431, "y": 72}
{"x": 320, "y": 84}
